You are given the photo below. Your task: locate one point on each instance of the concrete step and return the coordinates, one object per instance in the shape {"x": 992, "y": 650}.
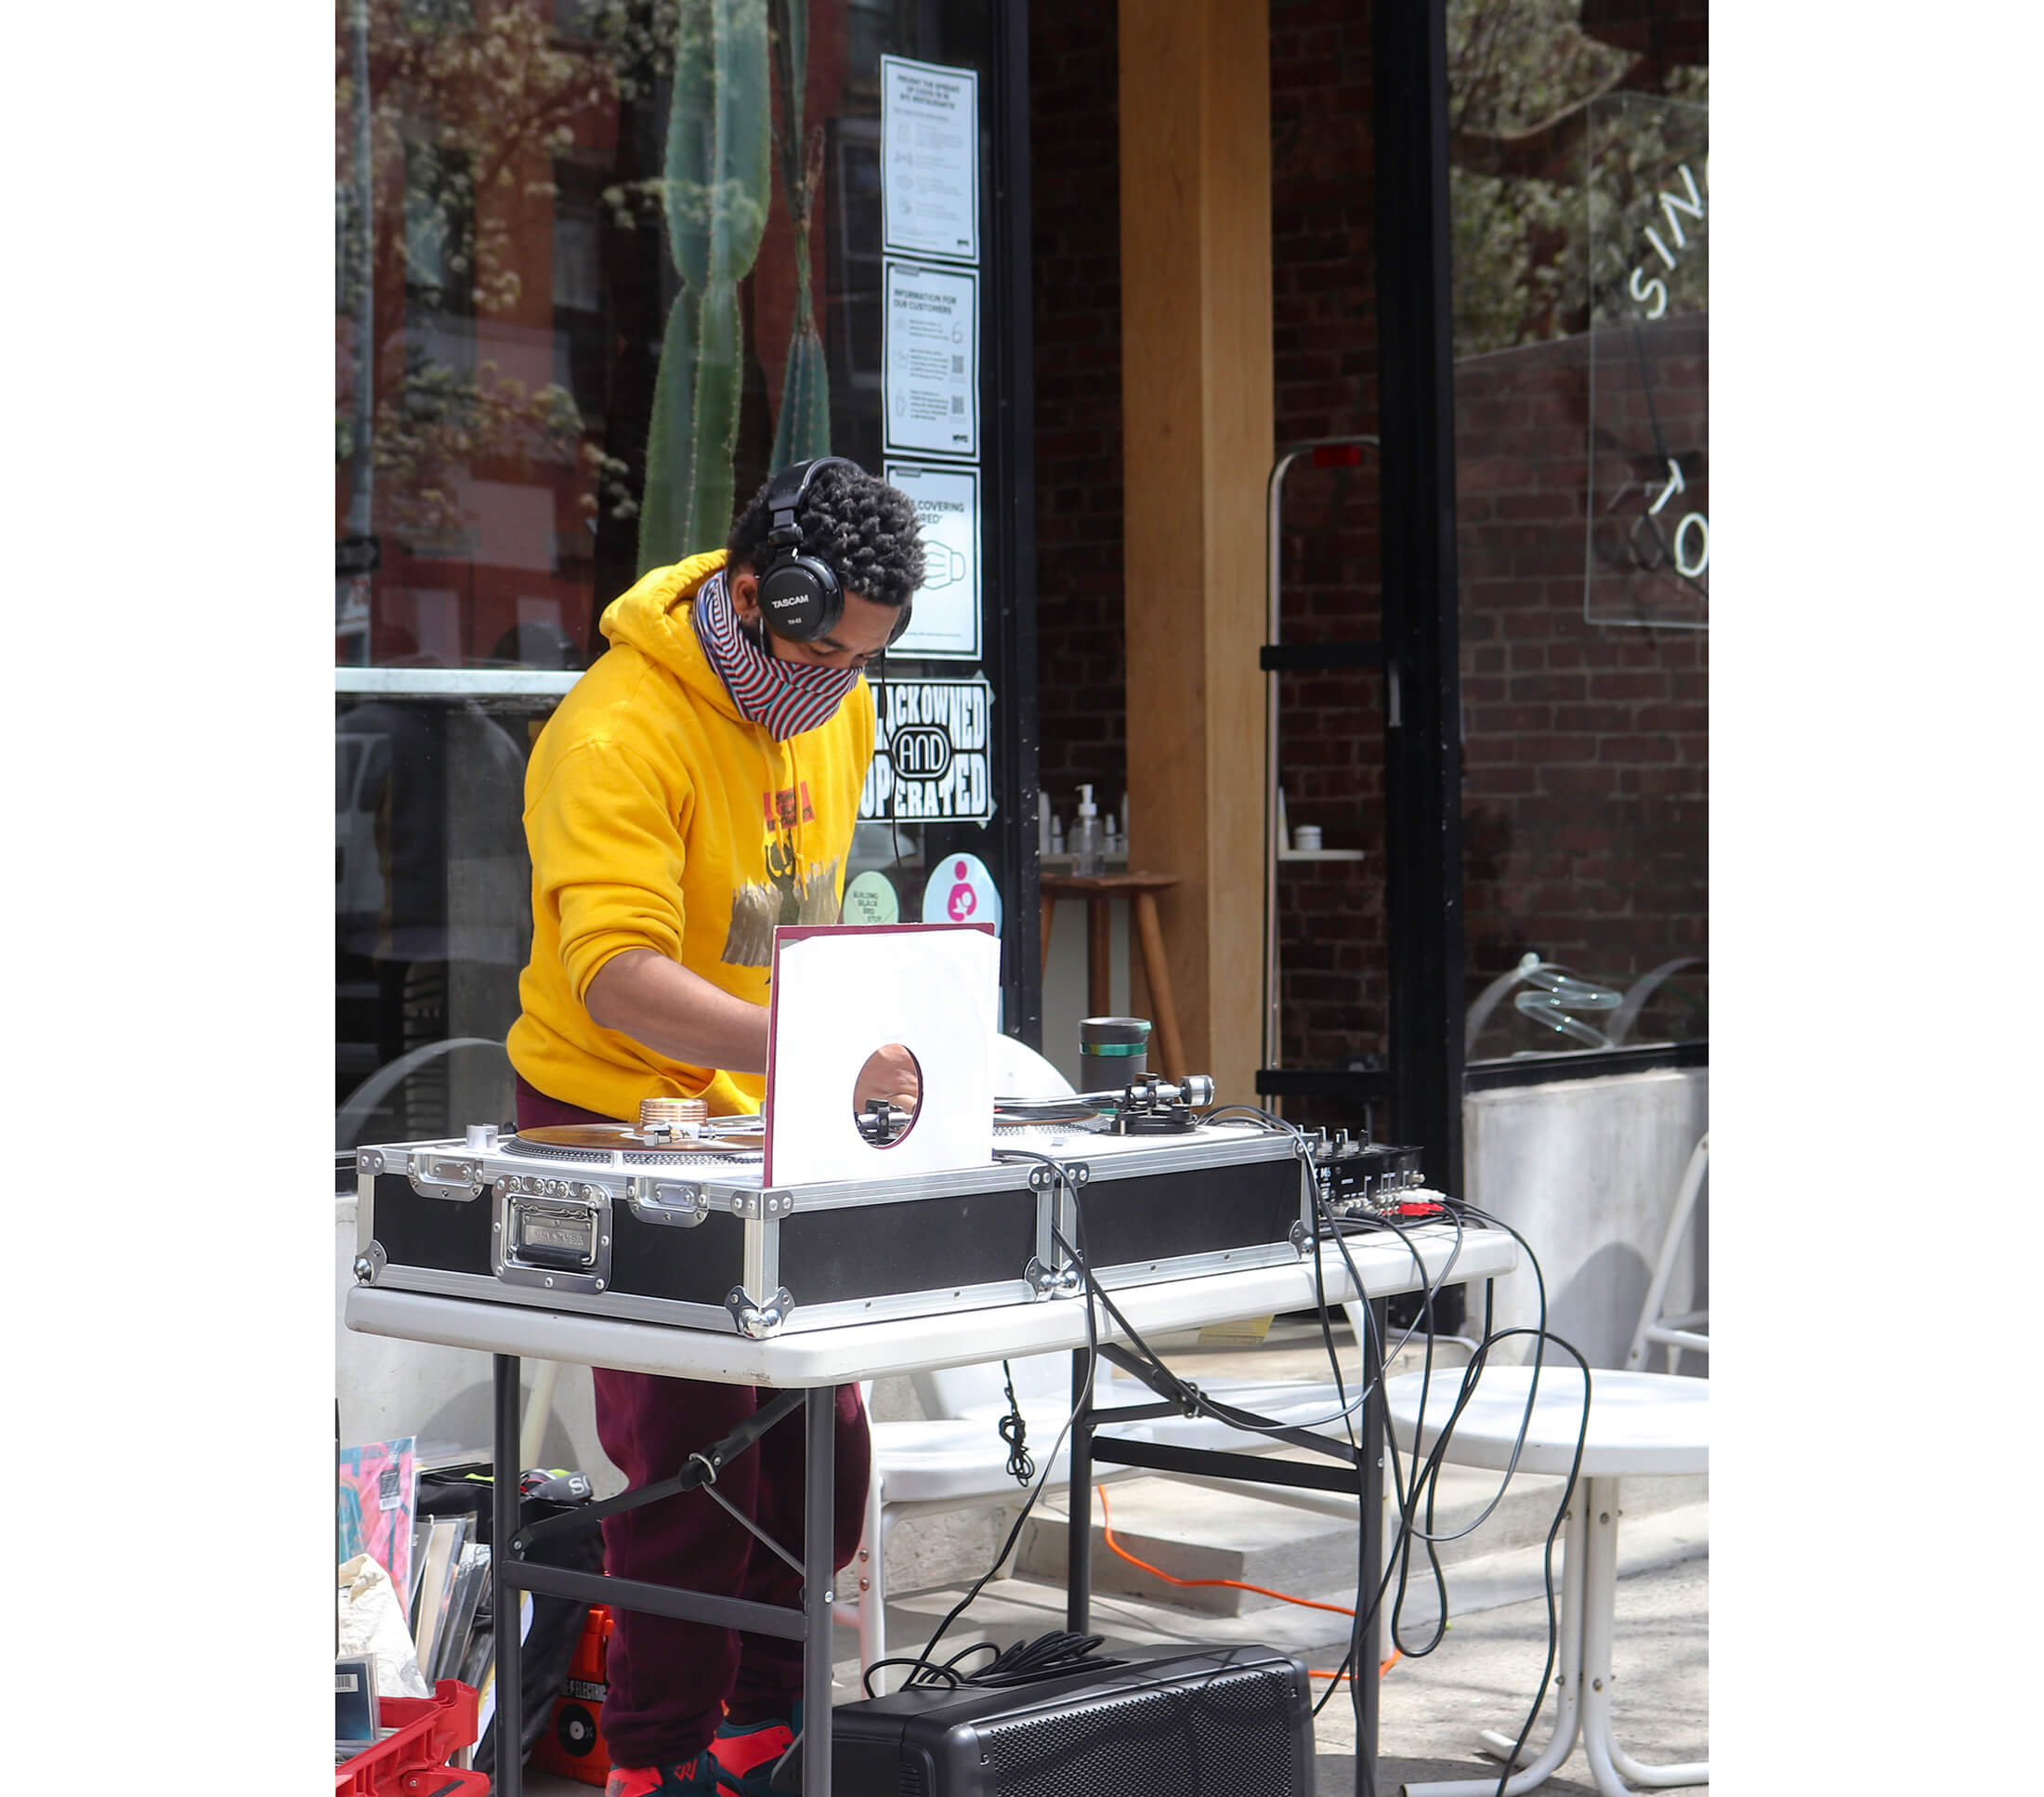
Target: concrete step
{"x": 1014, "y": 1607}
{"x": 1202, "y": 1532}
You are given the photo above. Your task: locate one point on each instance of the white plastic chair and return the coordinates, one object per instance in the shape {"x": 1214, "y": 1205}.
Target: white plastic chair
{"x": 1641, "y": 1425}
{"x": 1656, "y": 1328}
{"x": 955, "y": 1459}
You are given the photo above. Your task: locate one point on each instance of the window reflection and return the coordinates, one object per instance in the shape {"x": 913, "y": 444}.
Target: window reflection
{"x": 1584, "y": 671}
{"x": 432, "y": 910}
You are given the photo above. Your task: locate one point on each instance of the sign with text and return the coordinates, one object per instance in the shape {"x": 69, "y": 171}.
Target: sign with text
{"x": 946, "y": 623}
{"x": 1649, "y": 497}
{"x": 931, "y": 360}
{"x": 932, "y": 752}
{"x": 929, "y": 169}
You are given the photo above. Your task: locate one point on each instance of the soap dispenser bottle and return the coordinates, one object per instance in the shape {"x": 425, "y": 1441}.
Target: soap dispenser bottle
{"x": 1085, "y": 843}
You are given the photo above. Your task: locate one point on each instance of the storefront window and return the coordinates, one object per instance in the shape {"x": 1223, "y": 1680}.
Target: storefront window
{"x": 1579, "y": 206}
{"x": 540, "y": 204}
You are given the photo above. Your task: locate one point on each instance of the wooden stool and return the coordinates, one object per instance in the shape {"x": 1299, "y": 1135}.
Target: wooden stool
{"x": 1100, "y": 891}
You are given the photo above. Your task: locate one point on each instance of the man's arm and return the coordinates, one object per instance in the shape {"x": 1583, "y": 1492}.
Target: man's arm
{"x": 680, "y": 1014}
{"x": 659, "y": 1003}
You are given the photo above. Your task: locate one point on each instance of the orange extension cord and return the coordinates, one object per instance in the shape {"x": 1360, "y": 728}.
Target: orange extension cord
{"x": 1106, "y": 1529}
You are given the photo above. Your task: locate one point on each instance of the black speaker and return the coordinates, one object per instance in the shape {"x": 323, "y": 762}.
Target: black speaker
{"x": 1154, "y": 1722}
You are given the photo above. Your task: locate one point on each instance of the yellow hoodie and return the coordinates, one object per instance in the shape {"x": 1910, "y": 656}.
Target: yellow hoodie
{"x": 659, "y": 818}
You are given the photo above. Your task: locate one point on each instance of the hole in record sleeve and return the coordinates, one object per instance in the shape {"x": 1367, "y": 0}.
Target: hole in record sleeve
{"x": 887, "y": 1094}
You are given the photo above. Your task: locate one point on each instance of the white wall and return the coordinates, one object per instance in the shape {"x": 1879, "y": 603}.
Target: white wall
{"x": 1586, "y": 1170}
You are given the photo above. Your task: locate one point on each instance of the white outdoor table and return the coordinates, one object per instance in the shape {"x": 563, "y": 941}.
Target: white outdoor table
{"x": 815, "y": 1362}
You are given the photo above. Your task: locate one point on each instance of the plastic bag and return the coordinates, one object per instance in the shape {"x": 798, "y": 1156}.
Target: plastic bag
{"x": 371, "y": 1621}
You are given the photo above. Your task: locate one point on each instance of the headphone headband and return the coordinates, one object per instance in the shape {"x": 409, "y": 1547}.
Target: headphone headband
{"x": 785, "y": 493}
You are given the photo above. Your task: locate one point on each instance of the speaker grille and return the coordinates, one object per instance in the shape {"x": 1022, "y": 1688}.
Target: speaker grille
{"x": 1231, "y": 1732}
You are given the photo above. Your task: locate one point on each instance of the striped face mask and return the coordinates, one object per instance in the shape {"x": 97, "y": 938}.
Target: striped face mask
{"x": 783, "y": 698}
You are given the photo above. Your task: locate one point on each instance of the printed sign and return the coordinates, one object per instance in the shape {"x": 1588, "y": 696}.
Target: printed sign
{"x": 932, "y": 752}
{"x": 960, "y": 890}
{"x": 946, "y": 624}
{"x": 931, "y": 360}
{"x": 870, "y": 900}
{"x": 929, "y": 137}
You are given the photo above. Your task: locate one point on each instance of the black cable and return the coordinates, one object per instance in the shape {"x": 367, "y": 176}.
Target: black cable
{"x": 1425, "y": 1476}
{"x": 1014, "y": 1431}
{"x": 1425, "y": 1482}
{"x": 893, "y": 820}
{"x": 921, "y": 1665}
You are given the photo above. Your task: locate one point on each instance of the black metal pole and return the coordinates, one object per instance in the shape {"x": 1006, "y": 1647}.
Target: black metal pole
{"x": 1010, "y": 596}
{"x": 1079, "y": 1543}
{"x": 820, "y": 1425}
{"x": 1371, "y": 1547}
{"x": 505, "y": 1599}
{"x": 1422, "y": 735}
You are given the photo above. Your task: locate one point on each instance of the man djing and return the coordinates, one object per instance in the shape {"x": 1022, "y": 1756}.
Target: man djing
{"x": 698, "y": 786}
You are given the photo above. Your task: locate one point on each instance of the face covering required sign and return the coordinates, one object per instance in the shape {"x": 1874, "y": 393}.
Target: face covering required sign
{"x": 931, "y": 755}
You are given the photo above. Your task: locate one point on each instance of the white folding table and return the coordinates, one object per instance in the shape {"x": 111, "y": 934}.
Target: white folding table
{"x": 815, "y": 1362}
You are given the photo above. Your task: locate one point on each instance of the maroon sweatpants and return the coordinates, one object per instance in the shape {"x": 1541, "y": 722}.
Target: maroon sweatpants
{"x": 670, "y": 1681}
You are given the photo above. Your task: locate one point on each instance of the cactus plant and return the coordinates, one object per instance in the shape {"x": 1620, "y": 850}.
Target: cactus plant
{"x": 803, "y": 430}
{"x": 716, "y": 193}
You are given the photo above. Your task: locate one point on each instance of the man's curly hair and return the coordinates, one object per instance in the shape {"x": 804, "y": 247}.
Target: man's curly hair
{"x": 855, "y": 522}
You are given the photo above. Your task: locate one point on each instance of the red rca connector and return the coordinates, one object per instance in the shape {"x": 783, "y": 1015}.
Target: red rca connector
{"x": 1411, "y": 1210}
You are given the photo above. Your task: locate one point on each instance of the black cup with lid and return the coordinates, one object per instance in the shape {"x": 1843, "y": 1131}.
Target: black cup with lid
{"x": 1112, "y": 1051}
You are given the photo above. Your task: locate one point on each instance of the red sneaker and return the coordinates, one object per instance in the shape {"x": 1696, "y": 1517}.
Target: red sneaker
{"x": 746, "y": 1756}
{"x": 695, "y": 1778}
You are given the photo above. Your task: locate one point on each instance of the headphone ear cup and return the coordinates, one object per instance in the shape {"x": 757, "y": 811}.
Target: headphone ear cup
{"x": 799, "y": 598}
{"x": 901, "y": 623}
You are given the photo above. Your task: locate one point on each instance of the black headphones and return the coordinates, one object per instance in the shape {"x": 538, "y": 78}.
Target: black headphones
{"x": 800, "y": 597}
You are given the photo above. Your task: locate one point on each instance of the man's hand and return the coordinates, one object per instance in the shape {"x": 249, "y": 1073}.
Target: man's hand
{"x": 890, "y": 1073}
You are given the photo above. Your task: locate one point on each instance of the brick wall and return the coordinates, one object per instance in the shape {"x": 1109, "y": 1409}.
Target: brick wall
{"x": 1076, "y": 251}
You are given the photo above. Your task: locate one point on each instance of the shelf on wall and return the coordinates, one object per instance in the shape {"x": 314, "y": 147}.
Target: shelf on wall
{"x": 1320, "y": 854}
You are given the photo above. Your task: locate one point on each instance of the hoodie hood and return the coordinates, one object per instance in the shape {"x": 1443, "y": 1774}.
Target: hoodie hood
{"x": 652, "y": 617}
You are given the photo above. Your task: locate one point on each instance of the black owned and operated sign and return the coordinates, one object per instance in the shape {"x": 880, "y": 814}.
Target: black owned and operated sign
{"x": 931, "y": 755}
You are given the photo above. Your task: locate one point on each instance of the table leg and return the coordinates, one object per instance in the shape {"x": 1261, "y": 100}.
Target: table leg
{"x": 1156, "y": 971}
{"x": 819, "y": 1423}
{"x": 1371, "y": 1546}
{"x": 1099, "y": 956}
{"x": 1049, "y": 917}
{"x": 1079, "y": 1529}
{"x": 506, "y": 1599}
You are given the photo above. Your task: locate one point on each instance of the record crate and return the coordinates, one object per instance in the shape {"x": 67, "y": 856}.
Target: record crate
{"x": 413, "y": 1763}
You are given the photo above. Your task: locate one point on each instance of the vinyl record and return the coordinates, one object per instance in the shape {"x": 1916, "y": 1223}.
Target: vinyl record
{"x": 616, "y": 1138}
{"x": 576, "y": 1729}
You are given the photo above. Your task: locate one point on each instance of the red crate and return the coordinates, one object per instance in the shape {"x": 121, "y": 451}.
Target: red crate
{"x": 413, "y": 1763}
{"x": 574, "y": 1746}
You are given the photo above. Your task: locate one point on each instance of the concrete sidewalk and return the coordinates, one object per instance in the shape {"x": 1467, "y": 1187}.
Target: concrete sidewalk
{"x": 1483, "y": 1674}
